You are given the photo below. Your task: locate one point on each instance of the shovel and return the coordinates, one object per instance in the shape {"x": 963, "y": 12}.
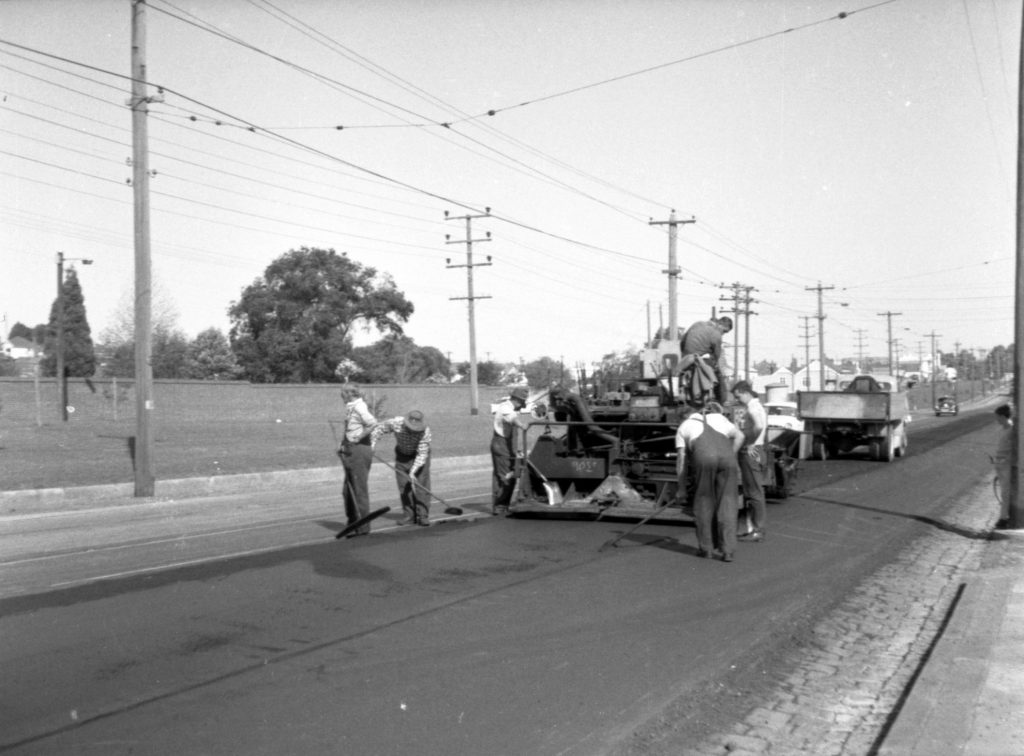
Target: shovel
{"x": 551, "y": 489}
{"x": 448, "y": 508}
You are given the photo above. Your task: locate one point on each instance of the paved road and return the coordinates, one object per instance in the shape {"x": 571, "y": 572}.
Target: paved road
{"x": 128, "y": 630}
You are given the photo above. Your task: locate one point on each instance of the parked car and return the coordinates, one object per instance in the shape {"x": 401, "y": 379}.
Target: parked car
{"x": 783, "y": 415}
{"x": 946, "y": 405}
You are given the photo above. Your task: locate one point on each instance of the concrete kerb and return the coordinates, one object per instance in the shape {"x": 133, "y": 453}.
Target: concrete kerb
{"x": 39, "y": 500}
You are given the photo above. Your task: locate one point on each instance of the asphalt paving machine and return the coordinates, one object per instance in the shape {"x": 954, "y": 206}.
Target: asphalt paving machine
{"x": 609, "y": 449}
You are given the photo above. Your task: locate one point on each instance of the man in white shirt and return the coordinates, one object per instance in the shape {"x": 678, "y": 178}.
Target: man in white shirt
{"x": 753, "y": 459}
{"x": 505, "y": 423}
{"x": 706, "y": 446}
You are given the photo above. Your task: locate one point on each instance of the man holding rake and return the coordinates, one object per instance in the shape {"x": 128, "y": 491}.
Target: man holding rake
{"x": 412, "y": 464}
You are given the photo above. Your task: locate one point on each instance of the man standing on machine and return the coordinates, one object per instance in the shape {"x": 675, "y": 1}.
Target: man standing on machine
{"x": 703, "y": 340}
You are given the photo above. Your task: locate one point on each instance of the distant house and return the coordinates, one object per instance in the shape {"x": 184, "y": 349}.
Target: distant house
{"x": 25, "y": 353}
{"x": 781, "y": 377}
{"x": 808, "y": 378}
{"x": 19, "y": 347}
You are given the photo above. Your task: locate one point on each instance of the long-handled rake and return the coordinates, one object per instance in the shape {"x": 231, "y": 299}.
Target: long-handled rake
{"x": 619, "y": 537}
{"x": 448, "y": 508}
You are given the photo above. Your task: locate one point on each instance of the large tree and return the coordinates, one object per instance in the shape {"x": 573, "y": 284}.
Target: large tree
{"x": 209, "y": 357}
{"x": 168, "y": 355}
{"x": 79, "y": 353}
{"x": 167, "y": 341}
{"x": 545, "y": 372}
{"x": 37, "y": 334}
{"x": 488, "y": 373}
{"x": 397, "y": 359}
{"x": 294, "y": 324}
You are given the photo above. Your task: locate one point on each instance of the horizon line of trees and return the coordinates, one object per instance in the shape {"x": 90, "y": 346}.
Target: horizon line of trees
{"x": 294, "y": 324}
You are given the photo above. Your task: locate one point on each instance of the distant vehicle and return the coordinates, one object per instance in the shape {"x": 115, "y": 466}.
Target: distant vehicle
{"x": 868, "y": 410}
{"x": 783, "y": 415}
{"x": 946, "y": 405}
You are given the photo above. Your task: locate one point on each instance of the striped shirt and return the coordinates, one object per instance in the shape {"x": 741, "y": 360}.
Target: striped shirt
{"x": 407, "y": 442}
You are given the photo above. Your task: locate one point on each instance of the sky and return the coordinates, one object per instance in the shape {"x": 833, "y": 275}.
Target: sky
{"x": 860, "y": 151}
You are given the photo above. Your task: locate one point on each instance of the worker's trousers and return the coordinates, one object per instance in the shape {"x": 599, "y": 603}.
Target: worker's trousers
{"x": 503, "y": 452}
{"x": 415, "y": 499}
{"x": 752, "y": 474}
{"x": 356, "y": 459}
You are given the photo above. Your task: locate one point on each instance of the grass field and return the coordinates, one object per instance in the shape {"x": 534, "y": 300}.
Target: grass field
{"x": 206, "y": 429}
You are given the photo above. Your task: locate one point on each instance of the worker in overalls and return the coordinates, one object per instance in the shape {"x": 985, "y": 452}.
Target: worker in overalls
{"x": 706, "y": 445}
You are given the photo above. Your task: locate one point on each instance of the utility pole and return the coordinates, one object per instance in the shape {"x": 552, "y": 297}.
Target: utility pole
{"x": 888, "y": 316}
{"x": 747, "y": 312}
{"x": 1016, "y": 508}
{"x": 821, "y": 332}
{"x": 807, "y": 351}
{"x": 860, "y": 348}
{"x": 672, "y": 272}
{"x": 958, "y": 363}
{"x": 934, "y": 363}
{"x": 62, "y": 372}
{"x": 62, "y": 395}
{"x": 737, "y": 310}
{"x": 474, "y": 400}
{"x": 143, "y": 462}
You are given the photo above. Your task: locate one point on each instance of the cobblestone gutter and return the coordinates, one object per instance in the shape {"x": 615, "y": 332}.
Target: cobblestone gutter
{"x": 846, "y": 685}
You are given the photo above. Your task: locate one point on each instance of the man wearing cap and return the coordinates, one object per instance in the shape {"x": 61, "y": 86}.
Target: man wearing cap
{"x": 753, "y": 459}
{"x": 412, "y": 464}
{"x": 503, "y": 448}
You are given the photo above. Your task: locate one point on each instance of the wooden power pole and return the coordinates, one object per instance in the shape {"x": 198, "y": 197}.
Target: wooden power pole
{"x": 474, "y": 398}
{"x": 672, "y": 272}
{"x": 143, "y": 461}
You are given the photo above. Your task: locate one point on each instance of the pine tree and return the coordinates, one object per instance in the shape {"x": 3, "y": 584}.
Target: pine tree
{"x": 79, "y": 354}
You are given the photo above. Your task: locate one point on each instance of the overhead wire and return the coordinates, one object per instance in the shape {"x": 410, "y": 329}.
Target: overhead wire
{"x": 511, "y": 159}
{"x": 572, "y": 241}
{"x": 690, "y": 58}
{"x": 369, "y": 65}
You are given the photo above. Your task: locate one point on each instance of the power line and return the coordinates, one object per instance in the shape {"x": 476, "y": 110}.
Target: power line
{"x": 690, "y": 58}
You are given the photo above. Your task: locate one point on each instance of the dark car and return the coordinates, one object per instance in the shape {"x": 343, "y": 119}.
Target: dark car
{"x": 946, "y": 405}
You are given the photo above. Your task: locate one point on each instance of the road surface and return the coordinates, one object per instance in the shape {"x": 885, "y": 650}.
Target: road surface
{"x": 238, "y": 624}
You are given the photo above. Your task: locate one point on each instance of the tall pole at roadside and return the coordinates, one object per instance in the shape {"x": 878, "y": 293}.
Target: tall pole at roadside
{"x": 474, "y": 398}
{"x": 821, "y": 334}
{"x": 62, "y": 386}
{"x": 1016, "y": 506}
{"x": 144, "y": 475}
{"x": 888, "y": 316}
{"x": 935, "y": 371}
{"x": 673, "y": 271}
